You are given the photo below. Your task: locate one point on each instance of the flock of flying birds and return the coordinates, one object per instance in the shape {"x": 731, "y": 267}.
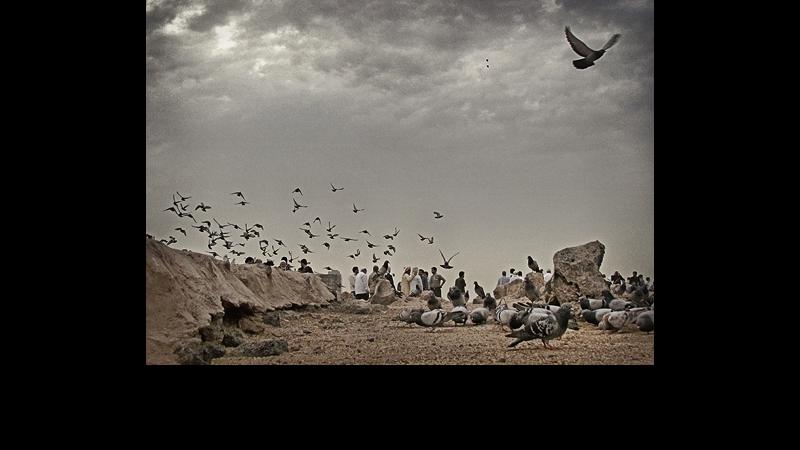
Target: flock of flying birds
{"x": 219, "y": 236}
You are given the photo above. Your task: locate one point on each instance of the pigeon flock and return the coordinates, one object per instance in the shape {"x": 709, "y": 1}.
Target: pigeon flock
{"x": 222, "y": 242}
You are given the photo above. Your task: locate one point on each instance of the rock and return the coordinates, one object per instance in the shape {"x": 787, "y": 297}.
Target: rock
{"x": 198, "y": 353}
{"x": 346, "y": 296}
{"x": 515, "y": 289}
{"x": 272, "y": 318}
{"x": 210, "y": 333}
{"x": 384, "y": 294}
{"x": 248, "y": 324}
{"x": 306, "y": 331}
{"x": 577, "y": 271}
{"x": 534, "y": 285}
{"x": 231, "y": 340}
{"x": 265, "y": 348}
{"x": 372, "y": 339}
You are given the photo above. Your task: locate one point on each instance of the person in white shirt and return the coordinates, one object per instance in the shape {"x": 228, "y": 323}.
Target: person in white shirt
{"x": 352, "y": 280}
{"x": 548, "y": 276}
{"x": 416, "y": 282}
{"x": 362, "y": 285}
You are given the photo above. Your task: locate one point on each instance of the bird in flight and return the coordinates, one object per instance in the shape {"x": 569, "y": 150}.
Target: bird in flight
{"x": 356, "y": 210}
{"x": 297, "y": 205}
{"x": 422, "y": 238}
{"x": 371, "y": 245}
{"x": 202, "y": 206}
{"x": 181, "y": 230}
{"x": 307, "y": 224}
{"x": 396, "y": 231}
{"x": 318, "y": 220}
{"x": 328, "y": 246}
{"x": 239, "y": 194}
{"x": 183, "y": 199}
{"x": 387, "y": 253}
{"x": 215, "y": 254}
{"x": 446, "y": 264}
{"x": 334, "y": 188}
{"x": 365, "y": 232}
{"x": 279, "y": 242}
{"x": 297, "y": 190}
{"x": 388, "y": 236}
{"x": 391, "y": 247}
{"x": 374, "y": 258}
{"x": 589, "y": 55}
{"x": 330, "y": 228}
{"x": 358, "y": 252}
{"x": 172, "y": 208}
{"x": 242, "y": 203}
{"x": 346, "y": 239}
{"x": 437, "y": 215}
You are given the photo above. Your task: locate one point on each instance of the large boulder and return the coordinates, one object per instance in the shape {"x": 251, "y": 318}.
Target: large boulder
{"x": 514, "y": 289}
{"x": 534, "y": 285}
{"x": 577, "y": 269}
{"x": 198, "y": 353}
{"x": 384, "y": 294}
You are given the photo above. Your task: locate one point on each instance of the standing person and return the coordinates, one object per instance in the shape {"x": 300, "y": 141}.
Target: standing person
{"x": 650, "y": 286}
{"x": 436, "y": 282}
{"x": 374, "y": 277}
{"x": 634, "y": 280}
{"x": 461, "y": 283}
{"x": 362, "y": 285}
{"x": 416, "y": 282}
{"x": 503, "y": 280}
{"x": 352, "y": 280}
{"x": 304, "y": 267}
{"x": 616, "y": 278}
{"x": 424, "y": 276}
{"x": 548, "y": 276}
{"x": 405, "y": 281}
{"x": 514, "y": 276}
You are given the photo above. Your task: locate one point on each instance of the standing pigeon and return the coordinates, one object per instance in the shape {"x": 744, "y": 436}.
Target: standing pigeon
{"x": 589, "y": 55}
{"x": 545, "y": 327}
{"x": 458, "y": 314}
{"x": 431, "y": 319}
{"x": 479, "y": 315}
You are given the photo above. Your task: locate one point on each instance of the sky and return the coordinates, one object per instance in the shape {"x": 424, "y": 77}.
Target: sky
{"x": 394, "y": 102}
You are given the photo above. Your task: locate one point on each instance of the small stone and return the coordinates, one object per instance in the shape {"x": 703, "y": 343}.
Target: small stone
{"x": 372, "y": 339}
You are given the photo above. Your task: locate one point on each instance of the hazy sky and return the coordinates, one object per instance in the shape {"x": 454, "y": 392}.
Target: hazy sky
{"x": 393, "y": 101}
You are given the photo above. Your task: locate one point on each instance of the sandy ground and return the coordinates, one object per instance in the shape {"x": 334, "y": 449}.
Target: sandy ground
{"x": 326, "y": 336}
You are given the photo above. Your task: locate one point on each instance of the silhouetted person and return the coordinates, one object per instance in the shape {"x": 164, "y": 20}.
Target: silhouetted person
{"x": 461, "y": 283}
{"x": 304, "y": 267}
{"x": 436, "y": 281}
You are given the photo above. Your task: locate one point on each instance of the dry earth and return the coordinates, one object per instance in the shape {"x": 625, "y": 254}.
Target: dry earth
{"x": 330, "y": 336}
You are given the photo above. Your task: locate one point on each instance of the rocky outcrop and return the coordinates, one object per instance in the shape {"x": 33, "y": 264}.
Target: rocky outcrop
{"x": 577, "y": 272}
{"x": 185, "y": 290}
{"x": 534, "y": 285}
{"x": 514, "y": 289}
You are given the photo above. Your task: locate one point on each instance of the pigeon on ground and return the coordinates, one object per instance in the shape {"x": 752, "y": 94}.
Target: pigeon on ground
{"x": 589, "y": 55}
{"x": 616, "y": 321}
{"x": 458, "y": 314}
{"x": 409, "y": 316}
{"x": 479, "y": 291}
{"x": 545, "y": 327}
{"x": 646, "y": 321}
{"x": 503, "y": 315}
{"x": 479, "y": 316}
{"x": 431, "y": 319}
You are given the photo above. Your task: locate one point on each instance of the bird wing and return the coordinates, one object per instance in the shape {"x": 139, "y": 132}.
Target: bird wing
{"x": 445, "y": 259}
{"x": 611, "y": 41}
{"x": 451, "y": 258}
{"x": 578, "y": 45}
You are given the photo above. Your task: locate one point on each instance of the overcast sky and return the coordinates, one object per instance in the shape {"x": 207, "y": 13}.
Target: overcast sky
{"x": 393, "y": 101}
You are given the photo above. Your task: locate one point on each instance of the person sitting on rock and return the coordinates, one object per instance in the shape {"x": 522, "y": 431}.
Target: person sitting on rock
{"x": 374, "y": 277}
{"x": 503, "y": 280}
{"x": 304, "y": 267}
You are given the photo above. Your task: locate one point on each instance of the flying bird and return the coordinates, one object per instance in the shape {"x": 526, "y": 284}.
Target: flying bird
{"x": 391, "y": 247}
{"x": 589, "y": 55}
{"x": 330, "y": 228}
{"x": 202, "y": 206}
{"x": 356, "y": 210}
{"x": 446, "y": 264}
{"x": 388, "y": 236}
{"x": 346, "y": 239}
{"x": 374, "y": 258}
{"x": 371, "y": 245}
{"x": 437, "y": 215}
{"x": 318, "y": 220}
{"x": 239, "y": 194}
{"x": 328, "y": 246}
{"x": 183, "y": 199}
{"x": 396, "y": 231}
{"x": 279, "y": 242}
{"x": 297, "y": 190}
{"x": 181, "y": 230}
{"x": 242, "y": 203}
{"x": 365, "y": 232}
{"x": 171, "y": 208}
{"x": 334, "y": 188}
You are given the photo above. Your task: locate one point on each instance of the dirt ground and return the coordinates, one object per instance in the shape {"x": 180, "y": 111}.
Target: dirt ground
{"x": 328, "y": 336}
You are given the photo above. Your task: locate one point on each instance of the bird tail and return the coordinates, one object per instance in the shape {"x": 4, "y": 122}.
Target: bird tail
{"x": 582, "y": 63}
{"x": 516, "y": 341}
